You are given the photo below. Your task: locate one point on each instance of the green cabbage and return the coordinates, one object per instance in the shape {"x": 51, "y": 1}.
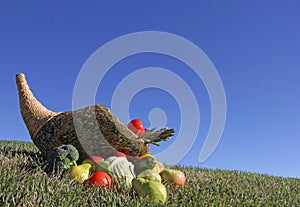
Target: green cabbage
{"x": 122, "y": 169}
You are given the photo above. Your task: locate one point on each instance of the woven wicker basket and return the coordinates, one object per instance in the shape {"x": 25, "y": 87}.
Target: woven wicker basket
{"x": 97, "y": 131}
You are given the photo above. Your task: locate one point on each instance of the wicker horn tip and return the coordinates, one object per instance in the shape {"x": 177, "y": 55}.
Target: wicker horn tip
{"x": 34, "y": 114}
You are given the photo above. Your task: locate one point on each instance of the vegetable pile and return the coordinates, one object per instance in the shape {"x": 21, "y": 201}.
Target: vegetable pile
{"x": 144, "y": 174}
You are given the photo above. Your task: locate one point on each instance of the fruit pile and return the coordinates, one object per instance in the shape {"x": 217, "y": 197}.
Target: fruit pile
{"x": 144, "y": 174}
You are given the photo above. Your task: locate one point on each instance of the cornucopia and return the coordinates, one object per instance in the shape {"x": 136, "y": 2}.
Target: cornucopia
{"x": 97, "y": 130}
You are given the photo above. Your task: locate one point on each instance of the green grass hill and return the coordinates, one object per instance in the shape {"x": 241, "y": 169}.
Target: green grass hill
{"x": 23, "y": 182}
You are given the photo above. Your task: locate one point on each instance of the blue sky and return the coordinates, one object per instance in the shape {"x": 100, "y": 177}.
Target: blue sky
{"x": 254, "y": 46}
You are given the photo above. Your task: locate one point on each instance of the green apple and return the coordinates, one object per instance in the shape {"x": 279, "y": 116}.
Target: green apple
{"x": 103, "y": 166}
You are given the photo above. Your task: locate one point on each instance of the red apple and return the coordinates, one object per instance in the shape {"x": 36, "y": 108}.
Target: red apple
{"x": 99, "y": 179}
{"x": 120, "y": 154}
{"x": 137, "y": 127}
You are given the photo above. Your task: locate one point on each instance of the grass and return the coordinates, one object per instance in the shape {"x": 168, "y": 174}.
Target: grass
{"x": 24, "y": 183}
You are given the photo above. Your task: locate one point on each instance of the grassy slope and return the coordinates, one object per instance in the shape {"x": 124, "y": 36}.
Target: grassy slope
{"x": 24, "y": 183}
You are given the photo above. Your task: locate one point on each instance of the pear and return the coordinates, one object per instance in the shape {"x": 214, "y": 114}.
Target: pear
{"x": 150, "y": 174}
{"x": 80, "y": 173}
{"x": 174, "y": 177}
{"x": 156, "y": 191}
{"x": 159, "y": 167}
